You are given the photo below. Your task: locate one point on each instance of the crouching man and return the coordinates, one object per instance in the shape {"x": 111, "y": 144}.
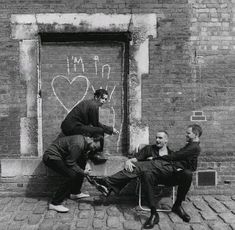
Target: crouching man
{"x": 165, "y": 167}
{"x": 68, "y": 157}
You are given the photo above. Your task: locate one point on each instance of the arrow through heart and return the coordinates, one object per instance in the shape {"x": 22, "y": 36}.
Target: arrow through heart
{"x": 70, "y": 91}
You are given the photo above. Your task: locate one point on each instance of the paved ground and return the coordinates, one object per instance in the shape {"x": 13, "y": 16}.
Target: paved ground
{"x": 24, "y": 213}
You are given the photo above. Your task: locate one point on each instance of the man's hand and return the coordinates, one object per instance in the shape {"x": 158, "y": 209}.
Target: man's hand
{"x": 115, "y": 131}
{"x": 129, "y": 166}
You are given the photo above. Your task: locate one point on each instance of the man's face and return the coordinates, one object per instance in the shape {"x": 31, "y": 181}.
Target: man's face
{"x": 161, "y": 139}
{"x": 190, "y": 136}
{"x": 101, "y": 100}
{"x": 94, "y": 145}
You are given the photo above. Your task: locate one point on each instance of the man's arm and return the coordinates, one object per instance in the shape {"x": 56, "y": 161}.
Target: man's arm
{"x": 107, "y": 129}
{"x": 142, "y": 155}
{"x": 71, "y": 161}
{"x": 93, "y": 115}
{"x": 184, "y": 153}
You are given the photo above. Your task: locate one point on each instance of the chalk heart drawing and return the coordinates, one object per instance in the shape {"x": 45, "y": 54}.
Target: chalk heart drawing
{"x": 63, "y": 87}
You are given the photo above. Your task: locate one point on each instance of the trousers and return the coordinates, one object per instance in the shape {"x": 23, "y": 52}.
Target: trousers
{"x": 73, "y": 180}
{"x": 89, "y": 131}
{"x": 151, "y": 174}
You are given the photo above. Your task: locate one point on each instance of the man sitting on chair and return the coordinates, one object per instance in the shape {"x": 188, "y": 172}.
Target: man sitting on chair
{"x": 165, "y": 167}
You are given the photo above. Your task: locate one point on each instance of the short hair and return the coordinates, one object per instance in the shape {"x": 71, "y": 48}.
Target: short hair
{"x": 163, "y": 131}
{"x": 100, "y": 93}
{"x": 196, "y": 129}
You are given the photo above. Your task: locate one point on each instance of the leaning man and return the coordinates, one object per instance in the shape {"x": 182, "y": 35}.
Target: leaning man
{"x": 68, "y": 156}
{"x": 166, "y": 167}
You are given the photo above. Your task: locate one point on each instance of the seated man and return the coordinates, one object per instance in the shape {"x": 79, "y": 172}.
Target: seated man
{"x": 166, "y": 167}
{"x": 68, "y": 156}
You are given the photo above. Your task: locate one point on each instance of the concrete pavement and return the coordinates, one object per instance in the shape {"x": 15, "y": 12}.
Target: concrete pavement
{"x": 30, "y": 213}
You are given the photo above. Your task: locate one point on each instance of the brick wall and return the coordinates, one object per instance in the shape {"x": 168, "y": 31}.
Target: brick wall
{"x": 70, "y": 73}
{"x": 191, "y": 69}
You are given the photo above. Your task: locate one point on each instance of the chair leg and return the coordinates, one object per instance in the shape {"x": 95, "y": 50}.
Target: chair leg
{"x": 173, "y": 194}
{"x": 158, "y": 209}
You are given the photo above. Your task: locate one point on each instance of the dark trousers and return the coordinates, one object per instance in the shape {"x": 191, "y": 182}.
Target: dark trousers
{"x": 73, "y": 180}
{"x": 86, "y": 130}
{"x": 152, "y": 173}
{"x": 182, "y": 178}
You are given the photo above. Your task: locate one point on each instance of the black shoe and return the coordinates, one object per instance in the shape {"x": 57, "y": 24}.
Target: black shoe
{"x": 151, "y": 221}
{"x": 100, "y": 185}
{"x": 181, "y": 213}
{"x": 98, "y": 158}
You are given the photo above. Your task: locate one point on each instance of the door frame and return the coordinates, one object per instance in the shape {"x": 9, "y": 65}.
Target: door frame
{"x": 121, "y": 39}
{"x": 26, "y": 28}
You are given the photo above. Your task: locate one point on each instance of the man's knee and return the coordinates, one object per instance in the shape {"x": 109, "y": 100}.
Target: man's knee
{"x": 75, "y": 176}
{"x": 148, "y": 177}
{"x": 186, "y": 175}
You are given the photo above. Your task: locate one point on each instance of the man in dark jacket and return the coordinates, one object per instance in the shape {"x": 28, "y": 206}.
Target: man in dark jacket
{"x": 68, "y": 156}
{"x": 83, "y": 119}
{"x": 165, "y": 168}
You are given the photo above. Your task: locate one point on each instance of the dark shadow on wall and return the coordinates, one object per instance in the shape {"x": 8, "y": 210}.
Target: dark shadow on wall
{"x": 43, "y": 182}
{"x": 9, "y": 132}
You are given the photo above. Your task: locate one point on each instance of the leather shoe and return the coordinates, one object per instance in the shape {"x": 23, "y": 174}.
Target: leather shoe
{"x": 181, "y": 213}
{"x": 100, "y": 185}
{"x": 98, "y": 158}
{"x": 151, "y": 221}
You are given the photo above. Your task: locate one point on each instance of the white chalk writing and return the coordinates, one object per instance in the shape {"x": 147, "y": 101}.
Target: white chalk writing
{"x": 77, "y": 78}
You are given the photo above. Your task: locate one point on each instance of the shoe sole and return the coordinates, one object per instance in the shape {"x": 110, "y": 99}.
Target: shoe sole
{"x": 103, "y": 190}
{"x": 99, "y": 187}
{"x": 183, "y": 218}
{"x": 52, "y": 209}
{"x": 77, "y": 198}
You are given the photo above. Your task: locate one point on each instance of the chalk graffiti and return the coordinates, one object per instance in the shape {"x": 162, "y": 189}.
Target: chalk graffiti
{"x": 111, "y": 94}
{"x": 76, "y": 62}
{"x": 76, "y": 65}
{"x": 96, "y": 59}
{"x": 68, "y": 68}
{"x": 77, "y": 78}
{"x": 103, "y": 68}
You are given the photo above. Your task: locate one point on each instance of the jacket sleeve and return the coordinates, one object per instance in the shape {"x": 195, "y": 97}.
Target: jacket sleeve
{"x": 144, "y": 153}
{"x": 93, "y": 115}
{"x": 184, "y": 153}
{"x": 107, "y": 129}
{"x": 75, "y": 153}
